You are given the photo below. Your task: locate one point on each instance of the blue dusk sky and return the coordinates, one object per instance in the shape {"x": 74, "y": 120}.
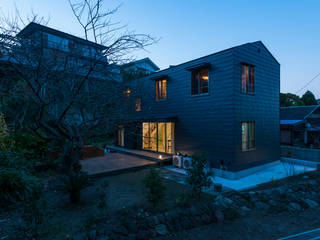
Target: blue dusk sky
{"x": 191, "y": 29}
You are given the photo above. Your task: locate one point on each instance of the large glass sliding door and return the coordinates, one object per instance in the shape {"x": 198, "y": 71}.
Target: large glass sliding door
{"x": 158, "y": 136}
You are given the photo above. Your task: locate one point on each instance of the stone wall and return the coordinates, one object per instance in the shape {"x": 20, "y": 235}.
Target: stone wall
{"x": 301, "y": 153}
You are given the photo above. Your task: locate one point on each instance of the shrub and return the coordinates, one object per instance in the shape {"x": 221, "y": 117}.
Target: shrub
{"x": 31, "y": 146}
{"x": 6, "y": 141}
{"x": 198, "y": 174}
{"x": 17, "y": 185}
{"x": 35, "y": 219}
{"x": 155, "y": 188}
{"x": 74, "y": 183}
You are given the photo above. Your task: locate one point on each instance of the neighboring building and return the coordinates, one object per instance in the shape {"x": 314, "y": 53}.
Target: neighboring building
{"x": 318, "y": 100}
{"x": 138, "y": 69}
{"x": 144, "y": 65}
{"x": 225, "y": 104}
{"x": 300, "y": 126}
{"x": 58, "y": 45}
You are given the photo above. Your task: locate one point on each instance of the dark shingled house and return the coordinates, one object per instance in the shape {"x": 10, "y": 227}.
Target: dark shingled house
{"x": 225, "y": 104}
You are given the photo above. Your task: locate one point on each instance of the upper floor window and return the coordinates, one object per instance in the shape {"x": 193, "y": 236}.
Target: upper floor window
{"x": 200, "y": 81}
{"x": 138, "y": 104}
{"x": 247, "y": 78}
{"x": 248, "y": 136}
{"x": 161, "y": 89}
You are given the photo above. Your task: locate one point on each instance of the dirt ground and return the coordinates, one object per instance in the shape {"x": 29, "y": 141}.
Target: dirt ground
{"x": 123, "y": 191}
{"x": 254, "y": 227}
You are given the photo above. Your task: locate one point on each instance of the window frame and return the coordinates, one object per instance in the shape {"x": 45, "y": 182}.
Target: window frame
{"x": 250, "y": 143}
{"x": 138, "y": 104}
{"x": 196, "y": 74}
{"x": 250, "y": 79}
{"x": 159, "y": 96}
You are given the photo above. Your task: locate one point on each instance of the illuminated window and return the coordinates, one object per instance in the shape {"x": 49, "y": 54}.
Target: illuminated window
{"x": 161, "y": 89}
{"x": 200, "y": 81}
{"x": 247, "y": 78}
{"x": 158, "y": 136}
{"x": 138, "y": 104}
{"x": 248, "y": 136}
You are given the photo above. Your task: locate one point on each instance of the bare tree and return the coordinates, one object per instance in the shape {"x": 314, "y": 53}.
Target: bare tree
{"x": 67, "y": 95}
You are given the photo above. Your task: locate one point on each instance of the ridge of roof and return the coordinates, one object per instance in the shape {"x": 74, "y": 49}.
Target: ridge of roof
{"x": 212, "y": 54}
{"x": 37, "y": 26}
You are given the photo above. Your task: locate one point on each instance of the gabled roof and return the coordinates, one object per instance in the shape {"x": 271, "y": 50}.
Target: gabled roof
{"x": 225, "y": 50}
{"x": 296, "y": 113}
{"x": 34, "y": 27}
{"x": 146, "y": 60}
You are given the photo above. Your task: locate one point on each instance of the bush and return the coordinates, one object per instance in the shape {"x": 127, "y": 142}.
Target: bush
{"x": 198, "y": 174}
{"x": 17, "y": 185}
{"x": 155, "y": 188}
{"x": 74, "y": 183}
{"x": 31, "y": 146}
{"x": 35, "y": 219}
{"x": 6, "y": 142}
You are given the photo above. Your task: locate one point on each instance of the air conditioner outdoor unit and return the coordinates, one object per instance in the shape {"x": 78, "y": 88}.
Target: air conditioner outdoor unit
{"x": 187, "y": 162}
{"x": 177, "y": 161}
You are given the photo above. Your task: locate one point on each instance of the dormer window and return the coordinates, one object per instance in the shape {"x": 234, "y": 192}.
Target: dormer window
{"x": 200, "y": 81}
{"x": 161, "y": 89}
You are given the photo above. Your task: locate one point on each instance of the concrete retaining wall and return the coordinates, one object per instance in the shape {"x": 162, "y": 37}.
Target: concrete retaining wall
{"x": 301, "y": 153}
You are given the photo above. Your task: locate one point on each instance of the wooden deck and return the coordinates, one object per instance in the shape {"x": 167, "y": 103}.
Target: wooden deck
{"x": 113, "y": 164}
{"x": 161, "y": 158}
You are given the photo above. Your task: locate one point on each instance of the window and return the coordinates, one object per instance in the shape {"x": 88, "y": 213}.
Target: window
{"x": 158, "y": 136}
{"x": 138, "y": 104}
{"x": 200, "y": 81}
{"x": 161, "y": 89}
{"x": 248, "y": 136}
{"x": 247, "y": 78}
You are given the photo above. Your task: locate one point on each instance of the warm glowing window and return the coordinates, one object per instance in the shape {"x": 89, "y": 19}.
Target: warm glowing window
{"x": 200, "y": 81}
{"x": 161, "y": 89}
{"x": 248, "y": 136}
{"x": 158, "y": 136}
{"x": 138, "y": 104}
{"x": 247, "y": 78}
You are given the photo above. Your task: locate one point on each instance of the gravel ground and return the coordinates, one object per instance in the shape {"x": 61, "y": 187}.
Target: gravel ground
{"x": 255, "y": 227}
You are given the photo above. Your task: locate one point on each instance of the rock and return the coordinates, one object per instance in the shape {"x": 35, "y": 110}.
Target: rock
{"x": 223, "y": 201}
{"x": 161, "y": 229}
{"x": 217, "y": 187}
{"x": 272, "y": 203}
{"x": 205, "y": 218}
{"x": 132, "y": 227}
{"x": 245, "y": 209}
{"x": 219, "y": 216}
{"x": 230, "y": 214}
{"x": 261, "y": 206}
{"x": 120, "y": 229}
{"x": 143, "y": 235}
{"x": 92, "y": 234}
{"x": 311, "y": 203}
{"x": 194, "y": 211}
{"x": 294, "y": 206}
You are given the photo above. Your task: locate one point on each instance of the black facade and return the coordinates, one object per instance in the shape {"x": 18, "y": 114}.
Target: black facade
{"x": 211, "y": 121}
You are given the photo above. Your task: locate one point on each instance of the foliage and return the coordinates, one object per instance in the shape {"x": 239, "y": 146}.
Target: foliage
{"x": 154, "y": 185}
{"x": 198, "y": 175}
{"x": 309, "y": 99}
{"x": 6, "y": 143}
{"x": 35, "y": 218}
{"x": 17, "y": 185}
{"x": 289, "y": 99}
{"x": 30, "y": 145}
{"x": 74, "y": 183}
